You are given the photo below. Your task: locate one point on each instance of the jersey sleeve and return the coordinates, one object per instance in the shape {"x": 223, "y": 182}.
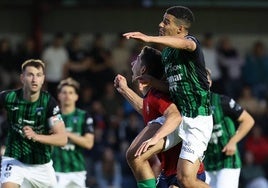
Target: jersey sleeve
{"x": 53, "y": 112}
{"x": 89, "y": 124}
{"x": 230, "y": 107}
{"x": 53, "y": 108}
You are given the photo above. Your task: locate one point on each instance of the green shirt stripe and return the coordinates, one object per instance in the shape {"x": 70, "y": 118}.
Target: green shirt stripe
{"x": 35, "y": 114}
{"x": 70, "y": 158}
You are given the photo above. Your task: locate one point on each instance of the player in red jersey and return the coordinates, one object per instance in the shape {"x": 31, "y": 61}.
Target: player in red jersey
{"x": 154, "y": 107}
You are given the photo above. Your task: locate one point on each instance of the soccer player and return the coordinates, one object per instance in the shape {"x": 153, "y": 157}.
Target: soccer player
{"x": 35, "y": 124}
{"x": 188, "y": 85}
{"x": 69, "y": 162}
{"x": 154, "y": 105}
{"x": 231, "y": 124}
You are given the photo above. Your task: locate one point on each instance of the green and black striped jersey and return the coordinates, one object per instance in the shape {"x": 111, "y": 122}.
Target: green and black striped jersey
{"x": 225, "y": 112}
{"x": 188, "y": 84}
{"x": 35, "y": 114}
{"x": 70, "y": 158}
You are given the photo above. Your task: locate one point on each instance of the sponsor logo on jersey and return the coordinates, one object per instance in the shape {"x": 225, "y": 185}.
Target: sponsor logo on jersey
{"x": 14, "y": 108}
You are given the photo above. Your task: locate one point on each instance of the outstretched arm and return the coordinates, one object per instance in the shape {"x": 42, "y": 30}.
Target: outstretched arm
{"x": 170, "y": 41}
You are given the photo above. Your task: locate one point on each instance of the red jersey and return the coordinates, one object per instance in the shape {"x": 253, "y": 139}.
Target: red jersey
{"x": 154, "y": 105}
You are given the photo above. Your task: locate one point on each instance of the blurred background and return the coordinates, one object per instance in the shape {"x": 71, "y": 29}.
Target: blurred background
{"x": 83, "y": 39}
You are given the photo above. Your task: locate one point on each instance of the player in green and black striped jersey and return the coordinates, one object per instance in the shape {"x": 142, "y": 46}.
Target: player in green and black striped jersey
{"x": 35, "y": 124}
{"x": 68, "y": 161}
{"x": 231, "y": 124}
{"x": 188, "y": 86}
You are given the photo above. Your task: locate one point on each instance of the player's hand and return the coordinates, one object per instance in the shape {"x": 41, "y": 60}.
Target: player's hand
{"x": 29, "y": 133}
{"x": 120, "y": 83}
{"x": 138, "y": 36}
{"x": 145, "y": 146}
{"x": 229, "y": 149}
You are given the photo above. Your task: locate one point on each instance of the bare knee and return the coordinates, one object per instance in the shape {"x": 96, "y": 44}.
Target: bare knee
{"x": 131, "y": 159}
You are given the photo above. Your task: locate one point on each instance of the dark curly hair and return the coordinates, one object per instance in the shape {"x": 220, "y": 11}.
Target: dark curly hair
{"x": 184, "y": 15}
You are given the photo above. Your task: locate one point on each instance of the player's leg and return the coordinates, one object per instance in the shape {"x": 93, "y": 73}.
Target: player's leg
{"x": 195, "y": 133}
{"x": 140, "y": 165}
{"x": 187, "y": 171}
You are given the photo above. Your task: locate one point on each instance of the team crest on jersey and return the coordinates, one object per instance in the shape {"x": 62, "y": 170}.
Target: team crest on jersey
{"x": 38, "y": 110}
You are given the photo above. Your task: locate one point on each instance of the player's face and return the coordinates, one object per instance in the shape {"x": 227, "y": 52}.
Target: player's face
{"x": 168, "y": 26}
{"x": 32, "y": 79}
{"x": 136, "y": 67}
{"x": 67, "y": 96}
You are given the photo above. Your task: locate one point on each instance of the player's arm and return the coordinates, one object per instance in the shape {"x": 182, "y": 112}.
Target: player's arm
{"x": 57, "y": 137}
{"x": 133, "y": 98}
{"x": 172, "y": 121}
{"x": 87, "y": 139}
{"x": 245, "y": 121}
{"x": 170, "y": 41}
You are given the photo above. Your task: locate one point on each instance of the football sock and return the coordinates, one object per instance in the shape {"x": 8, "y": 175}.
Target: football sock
{"x": 149, "y": 183}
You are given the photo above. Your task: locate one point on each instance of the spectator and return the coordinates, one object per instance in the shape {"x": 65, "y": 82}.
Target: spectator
{"x": 55, "y": 56}
{"x": 257, "y": 143}
{"x": 101, "y": 65}
{"x": 7, "y": 66}
{"x": 252, "y": 175}
{"x": 108, "y": 170}
{"x": 77, "y": 57}
{"x": 255, "y": 70}
{"x": 211, "y": 59}
{"x": 121, "y": 55}
{"x": 231, "y": 65}
{"x": 251, "y": 103}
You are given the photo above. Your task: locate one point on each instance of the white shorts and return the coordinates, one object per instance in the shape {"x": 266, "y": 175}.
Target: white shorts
{"x": 195, "y": 133}
{"x": 71, "y": 179}
{"x": 14, "y": 171}
{"x": 226, "y": 177}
